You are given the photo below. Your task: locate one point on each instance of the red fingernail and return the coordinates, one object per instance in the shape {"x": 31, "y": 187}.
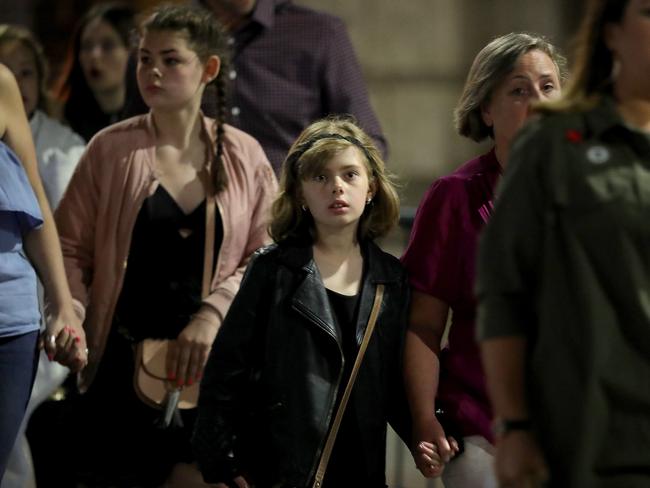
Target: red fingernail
{"x": 171, "y": 376}
{"x": 50, "y": 357}
{"x": 76, "y": 339}
{"x": 190, "y": 382}
{"x": 181, "y": 382}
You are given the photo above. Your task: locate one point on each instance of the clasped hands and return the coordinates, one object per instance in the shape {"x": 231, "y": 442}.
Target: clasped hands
{"x": 64, "y": 341}
{"x": 432, "y": 448}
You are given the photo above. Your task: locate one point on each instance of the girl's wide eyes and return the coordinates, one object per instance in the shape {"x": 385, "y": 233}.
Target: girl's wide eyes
{"x": 349, "y": 175}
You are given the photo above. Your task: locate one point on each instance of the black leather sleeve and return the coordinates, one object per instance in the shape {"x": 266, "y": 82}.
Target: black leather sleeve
{"x": 222, "y": 407}
{"x": 399, "y": 416}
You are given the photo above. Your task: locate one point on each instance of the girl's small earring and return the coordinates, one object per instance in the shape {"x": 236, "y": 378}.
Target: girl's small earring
{"x": 369, "y": 200}
{"x": 303, "y": 207}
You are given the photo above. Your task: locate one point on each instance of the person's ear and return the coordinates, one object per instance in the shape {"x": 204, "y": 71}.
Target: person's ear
{"x": 372, "y": 189}
{"x": 211, "y": 69}
{"x": 486, "y": 114}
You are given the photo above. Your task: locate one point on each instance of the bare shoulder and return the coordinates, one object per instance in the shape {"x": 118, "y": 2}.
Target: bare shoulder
{"x": 6, "y": 76}
{"x": 9, "y": 97}
{"x": 8, "y": 85}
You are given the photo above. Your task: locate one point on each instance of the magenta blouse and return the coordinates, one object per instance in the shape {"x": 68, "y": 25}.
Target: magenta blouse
{"x": 441, "y": 261}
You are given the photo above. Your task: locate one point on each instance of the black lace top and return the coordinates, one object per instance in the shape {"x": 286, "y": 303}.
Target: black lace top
{"x": 162, "y": 285}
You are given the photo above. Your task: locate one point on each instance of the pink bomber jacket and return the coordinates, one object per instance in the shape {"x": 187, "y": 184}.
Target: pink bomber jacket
{"x": 95, "y": 219}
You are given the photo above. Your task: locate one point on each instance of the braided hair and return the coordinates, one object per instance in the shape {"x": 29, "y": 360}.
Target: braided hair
{"x": 207, "y": 38}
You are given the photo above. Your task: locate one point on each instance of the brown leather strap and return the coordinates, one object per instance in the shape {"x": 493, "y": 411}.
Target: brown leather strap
{"x": 208, "y": 259}
{"x": 210, "y": 215}
{"x": 331, "y": 437}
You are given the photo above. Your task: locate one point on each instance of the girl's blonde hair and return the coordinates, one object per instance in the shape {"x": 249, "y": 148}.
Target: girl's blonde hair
{"x": 315, "y": 146}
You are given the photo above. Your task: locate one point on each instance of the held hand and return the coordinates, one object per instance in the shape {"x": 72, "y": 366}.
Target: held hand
{"x": 519, "y": 461}
{"x": 64, "y": 341}
{"x": 427, "y": 459}
{"x": 434, "y": 449}
{"x": 188, "y": 354}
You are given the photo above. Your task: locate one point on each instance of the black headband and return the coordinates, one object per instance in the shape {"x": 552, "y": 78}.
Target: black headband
{"x": 305, "y": 146}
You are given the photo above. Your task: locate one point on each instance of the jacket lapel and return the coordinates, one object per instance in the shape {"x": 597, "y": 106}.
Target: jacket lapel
{"x": 310, "y": 297}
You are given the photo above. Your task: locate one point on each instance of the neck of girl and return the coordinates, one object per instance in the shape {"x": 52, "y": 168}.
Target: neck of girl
{"x": 111, "y": 101}
{"x": 178, "y": 128}
{"x": 342, "y": 241}
{"x": 339, "y": 261}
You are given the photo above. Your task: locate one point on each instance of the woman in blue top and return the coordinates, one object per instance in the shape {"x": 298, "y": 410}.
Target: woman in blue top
{"x": 27, "y": 229}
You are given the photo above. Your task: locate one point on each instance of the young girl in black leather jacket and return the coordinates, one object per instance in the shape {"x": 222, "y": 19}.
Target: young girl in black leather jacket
{"x": 284, "y": 355}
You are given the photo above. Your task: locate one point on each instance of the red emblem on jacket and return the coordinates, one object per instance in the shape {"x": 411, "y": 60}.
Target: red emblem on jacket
{"x": 573, "y": 135}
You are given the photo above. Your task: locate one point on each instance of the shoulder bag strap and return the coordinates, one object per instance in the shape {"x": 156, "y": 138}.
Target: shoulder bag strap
{"x": 331, "y": 437}
{"x": 208, "y": 259}
{"x": 210, "y": 216}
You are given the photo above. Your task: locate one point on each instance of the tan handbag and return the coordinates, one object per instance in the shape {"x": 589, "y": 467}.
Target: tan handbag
{"x": 331, "y": 437}
{"x": 150, "y": 378}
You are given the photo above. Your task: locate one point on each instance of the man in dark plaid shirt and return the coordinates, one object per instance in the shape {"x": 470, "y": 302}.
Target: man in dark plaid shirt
{"x": 291, "y": 66}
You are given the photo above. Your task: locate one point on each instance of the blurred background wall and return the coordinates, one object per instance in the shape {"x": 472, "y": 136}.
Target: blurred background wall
{"x": 415, "y": 55}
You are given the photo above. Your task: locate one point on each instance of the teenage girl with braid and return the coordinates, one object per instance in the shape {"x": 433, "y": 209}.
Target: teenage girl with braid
{"x": 139, "y": 197}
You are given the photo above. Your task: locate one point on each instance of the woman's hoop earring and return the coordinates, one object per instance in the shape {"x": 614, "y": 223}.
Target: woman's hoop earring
{"x": 303, "y": 207}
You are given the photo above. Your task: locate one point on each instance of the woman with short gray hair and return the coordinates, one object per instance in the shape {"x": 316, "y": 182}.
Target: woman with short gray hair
{"x": 490, "y": 68}
{"x": 507, "y": 75}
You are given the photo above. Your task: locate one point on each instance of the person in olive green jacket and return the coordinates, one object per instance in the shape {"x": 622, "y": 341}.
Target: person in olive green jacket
{"x": 564, "y": 273}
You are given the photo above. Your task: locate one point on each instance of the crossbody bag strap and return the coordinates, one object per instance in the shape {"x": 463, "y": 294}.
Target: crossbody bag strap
{"x": 208, "y": 259}
{"x": 210, "y": 217}
{"x": 331, "y": 437}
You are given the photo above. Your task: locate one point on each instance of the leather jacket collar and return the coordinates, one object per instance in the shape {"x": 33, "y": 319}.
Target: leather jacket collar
{"x": 310, "y": 297}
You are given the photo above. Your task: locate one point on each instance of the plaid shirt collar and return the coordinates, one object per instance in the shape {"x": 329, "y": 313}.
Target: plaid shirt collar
{"x": 264, "y": 12}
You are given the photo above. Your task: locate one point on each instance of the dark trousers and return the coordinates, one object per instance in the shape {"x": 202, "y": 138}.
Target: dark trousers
{"x": 18, "y": 361}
